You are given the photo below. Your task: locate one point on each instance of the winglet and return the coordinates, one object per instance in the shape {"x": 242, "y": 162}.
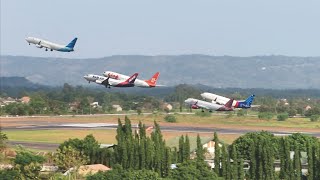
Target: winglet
{"x": 153, "y": 81}
{"x": 229, "y": 104}
{"x": 132, "y": 78}
{"x": 72, "y": 43}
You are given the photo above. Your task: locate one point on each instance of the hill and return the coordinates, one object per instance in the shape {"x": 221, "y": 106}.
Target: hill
{"x": 272, "y": 72}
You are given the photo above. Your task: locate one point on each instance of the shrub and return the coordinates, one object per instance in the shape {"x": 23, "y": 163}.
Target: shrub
{"x": 265, "y": 115}
{"x": 282, "y": 117}
{"x": 314, "y": 118}
{"x": 170, "y": 118}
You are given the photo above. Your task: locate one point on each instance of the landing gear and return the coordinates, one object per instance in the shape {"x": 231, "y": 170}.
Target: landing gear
{"x": 46, "y": 49}
{"x": 51, "y": 49}
{"x": 29, "y": 44}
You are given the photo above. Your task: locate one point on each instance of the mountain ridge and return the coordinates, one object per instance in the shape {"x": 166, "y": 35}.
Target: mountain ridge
{"x": 275, "y": 71}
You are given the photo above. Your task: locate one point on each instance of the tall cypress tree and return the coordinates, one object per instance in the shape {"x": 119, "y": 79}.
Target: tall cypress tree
{"x": 181, "y": 149}
{"x": 187, "y": 148}
{"x": 149, "y": 153}
{"x": 199, "y": 150}
{"x": 235, "y": 163}
{"x": 174, "y": 155}
{"x": 310, "y": 160}
{"x": 317, "y": 161}
{"x": 297, "y": 162}
{"x": 216, "y": 154}
{"x": 240, "y": 170}
{"x": 253, "y": 161}
{"x": 223, "y": 160}
{"x": 282, "y": 155}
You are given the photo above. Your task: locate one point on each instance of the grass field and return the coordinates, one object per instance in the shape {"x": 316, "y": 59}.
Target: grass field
{"x": 192, "y": 120}
{"x": 108, "y": 136}
{"x": 102, "y": 136}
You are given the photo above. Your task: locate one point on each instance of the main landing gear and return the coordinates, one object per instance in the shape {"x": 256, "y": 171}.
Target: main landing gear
{"x": 46, "y": 49}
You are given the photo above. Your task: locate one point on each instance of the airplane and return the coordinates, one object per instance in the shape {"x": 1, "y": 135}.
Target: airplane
{"x": 107, "y": 82}
{"x": 198, "y": 104}
{"x": 223, "y": 100}
{"x": 40, "y": 43}
{"x": 151, "y": 83}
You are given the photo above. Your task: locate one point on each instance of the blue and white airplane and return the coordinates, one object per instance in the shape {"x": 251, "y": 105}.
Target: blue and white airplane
{"x": 243, "y": 104}
{"x": 40, "y": 43}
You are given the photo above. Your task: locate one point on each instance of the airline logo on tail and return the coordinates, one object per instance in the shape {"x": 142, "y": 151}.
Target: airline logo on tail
{"x": 247, "y": 103}
{"x": 153, "y": 81}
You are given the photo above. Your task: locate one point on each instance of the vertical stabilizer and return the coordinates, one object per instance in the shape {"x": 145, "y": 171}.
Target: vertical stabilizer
{"x": 153, "y": 81}
{"x": 72, "y": 43}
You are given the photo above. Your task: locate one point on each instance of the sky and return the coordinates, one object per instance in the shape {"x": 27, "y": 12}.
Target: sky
{"x": 164, "y": 27}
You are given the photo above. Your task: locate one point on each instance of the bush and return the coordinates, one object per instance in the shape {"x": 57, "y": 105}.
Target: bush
{"x": 170, "y": 118}
{"x": 265, "y": 115}
{"x": 282, "y": 117}
{"x": 314, "y": 118}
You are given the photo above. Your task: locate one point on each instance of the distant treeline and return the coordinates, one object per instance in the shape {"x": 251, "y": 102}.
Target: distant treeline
{"x": 18, "y": 86}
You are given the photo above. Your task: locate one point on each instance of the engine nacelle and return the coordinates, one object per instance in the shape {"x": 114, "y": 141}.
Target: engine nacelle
{"x": 195, "y": 107}
{"x": 39, "y": 46}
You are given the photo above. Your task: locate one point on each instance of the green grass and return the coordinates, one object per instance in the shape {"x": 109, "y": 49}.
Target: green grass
{"x": 59, "y": 136}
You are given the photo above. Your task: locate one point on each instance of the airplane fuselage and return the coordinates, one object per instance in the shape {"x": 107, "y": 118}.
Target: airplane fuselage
{"x": 121, "y": 77}
{"x": 199, "y": 104}
{"x": 40, "y": 43}
{"x": 107, "y": 82}
{"x": 217, "y": 99}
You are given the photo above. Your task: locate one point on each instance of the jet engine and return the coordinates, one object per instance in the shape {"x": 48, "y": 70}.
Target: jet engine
{"x": 39, "y": 46}
{"x": 194, "y": 106}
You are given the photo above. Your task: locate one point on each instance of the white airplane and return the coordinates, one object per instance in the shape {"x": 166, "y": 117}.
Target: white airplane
{"x": 40, "y": 43}
{"x": 107, "y": 82}
{"x": 198, "y": 104}
{"x": 244, "y": 104}
{"x": 139, "y": 83}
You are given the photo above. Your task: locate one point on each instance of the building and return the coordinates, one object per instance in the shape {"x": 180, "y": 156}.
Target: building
{"x": 118, "y": 108}
{"x": 25, "y": 99}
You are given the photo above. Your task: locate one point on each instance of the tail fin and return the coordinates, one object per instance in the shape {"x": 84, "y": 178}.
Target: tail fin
{"x": 72, "y": 43}
{"x": 229, "y": 104}
{"x": 153, "y": 81}
{"x": 249, "y": 100}
{"x": 247, "y": 103}
{"x": 131, "y": 79}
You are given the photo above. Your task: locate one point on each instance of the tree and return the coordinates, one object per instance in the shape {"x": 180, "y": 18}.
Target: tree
{"x": 69, "y": 157}
{"x": 297, "y": 162}
{"x": 225, "y": 171}
{"x": 235, "y": 164}
{"x": 3, "y": 140}
{"x": 187, "y": 148}
{"x": 216, "y": 154}
{"x": 9, "y": 174}
{"x": 192, "y": 170}
{"x": 181, "y": 149}
{"x": 170, "y": 118}
{"x": 199, "y": 150}
{"x": 282, "y": 117}
{"x": 28, "y": 165}
{"x": 314, "y": 118}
